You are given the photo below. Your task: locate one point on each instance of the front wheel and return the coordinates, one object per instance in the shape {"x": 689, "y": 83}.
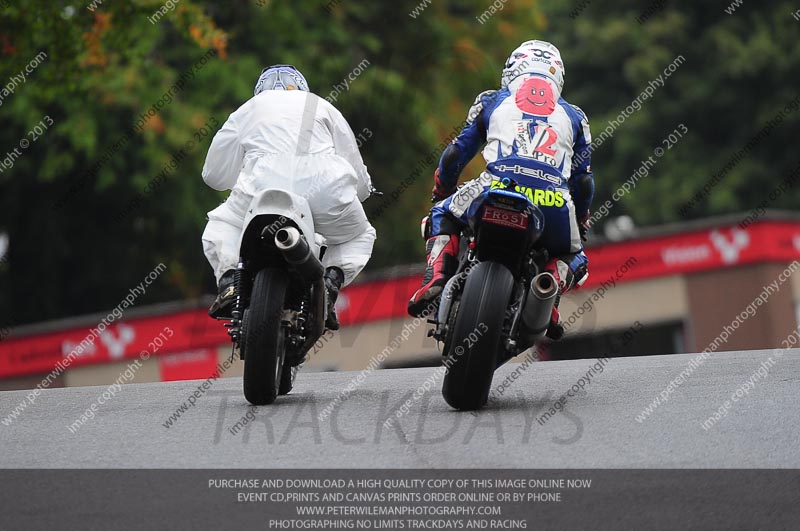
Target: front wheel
{"x": 264, "y": 337}
{"x": 478, "y": 330}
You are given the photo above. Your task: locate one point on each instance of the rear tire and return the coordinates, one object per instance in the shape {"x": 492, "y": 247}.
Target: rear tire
{"x": 476, "y": 336}
{"x": 264, "y": 337}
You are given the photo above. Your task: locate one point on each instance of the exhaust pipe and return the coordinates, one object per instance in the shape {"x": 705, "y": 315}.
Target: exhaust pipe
{"x": 539, "y": 304}
{"x": 297, "y": 252}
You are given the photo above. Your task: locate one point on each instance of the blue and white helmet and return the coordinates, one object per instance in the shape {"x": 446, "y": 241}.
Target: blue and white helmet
{"x": 280, "y": 77}
{"x": 534, "y": 57}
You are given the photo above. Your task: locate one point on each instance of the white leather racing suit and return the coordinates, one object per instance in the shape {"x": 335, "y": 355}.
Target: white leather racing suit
{"x": 296, "y": 141}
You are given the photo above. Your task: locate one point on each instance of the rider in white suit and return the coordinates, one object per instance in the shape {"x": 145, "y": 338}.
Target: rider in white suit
{"x": 287, "y": 137}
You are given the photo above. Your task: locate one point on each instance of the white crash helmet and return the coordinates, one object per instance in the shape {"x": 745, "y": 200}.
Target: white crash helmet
{"x": 280, "y": 77}
{"x": 534, "y": 57}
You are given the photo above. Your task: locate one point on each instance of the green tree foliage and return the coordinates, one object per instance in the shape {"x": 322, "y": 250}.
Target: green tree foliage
{"x": 108, "y": 66}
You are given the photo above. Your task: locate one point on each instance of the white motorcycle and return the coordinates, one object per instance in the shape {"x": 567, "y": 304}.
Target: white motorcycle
{"x": 280, "y": 306}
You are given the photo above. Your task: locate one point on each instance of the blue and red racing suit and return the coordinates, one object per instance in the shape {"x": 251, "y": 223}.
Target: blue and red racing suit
{"x": 543, "y": 144}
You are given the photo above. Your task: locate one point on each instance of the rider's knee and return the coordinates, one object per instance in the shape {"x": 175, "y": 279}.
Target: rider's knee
{"x": 572, "y": 269}
{"x": 578, "y": 264}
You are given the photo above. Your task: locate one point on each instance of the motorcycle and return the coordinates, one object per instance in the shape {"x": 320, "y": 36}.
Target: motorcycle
{"x": 280, "y": 297}
{"x": 499, "y": 302}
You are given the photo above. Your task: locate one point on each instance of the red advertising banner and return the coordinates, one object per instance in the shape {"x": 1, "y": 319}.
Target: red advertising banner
{"x": 193, "y": 331}
{"x": 696, "y": 251}
{"x": 702, "y": 250}
{"x": 162, "y": 334}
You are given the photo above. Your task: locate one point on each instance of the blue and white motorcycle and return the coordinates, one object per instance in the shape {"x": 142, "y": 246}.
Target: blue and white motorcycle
{"x": 499, "y": 302}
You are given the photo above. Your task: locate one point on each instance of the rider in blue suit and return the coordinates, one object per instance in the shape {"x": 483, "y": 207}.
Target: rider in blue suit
{"x": 531, "y": 135}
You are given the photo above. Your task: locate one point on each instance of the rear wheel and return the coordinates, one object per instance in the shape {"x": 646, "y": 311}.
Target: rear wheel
{"x": 264, "y": 337}
{"x": 476, "y": 336}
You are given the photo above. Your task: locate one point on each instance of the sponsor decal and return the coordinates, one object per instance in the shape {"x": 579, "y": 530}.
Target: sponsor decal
{"x": 729, "y": 249}
{"x": 536, "y": 196}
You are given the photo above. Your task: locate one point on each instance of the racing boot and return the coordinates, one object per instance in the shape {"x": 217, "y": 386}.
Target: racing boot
{"x": 334, "y": 278}
{"x": 223, "y": 305}
{"x": 442, "y": 264}
{"x": 566, "y": 280}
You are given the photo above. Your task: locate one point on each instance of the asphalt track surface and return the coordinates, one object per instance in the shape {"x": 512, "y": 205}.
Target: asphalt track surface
{"x": 596, "y": 429}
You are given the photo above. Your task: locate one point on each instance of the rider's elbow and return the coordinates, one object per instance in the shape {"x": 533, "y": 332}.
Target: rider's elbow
{"x": 451, "y": 165}
{"x": 213, "y": 180}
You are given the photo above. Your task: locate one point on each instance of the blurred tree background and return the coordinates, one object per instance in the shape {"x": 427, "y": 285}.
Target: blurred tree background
{"x": 108, "y": 63}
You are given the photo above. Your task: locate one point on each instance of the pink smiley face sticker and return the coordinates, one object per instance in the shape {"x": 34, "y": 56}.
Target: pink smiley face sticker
{"x": 535, "y": 96}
